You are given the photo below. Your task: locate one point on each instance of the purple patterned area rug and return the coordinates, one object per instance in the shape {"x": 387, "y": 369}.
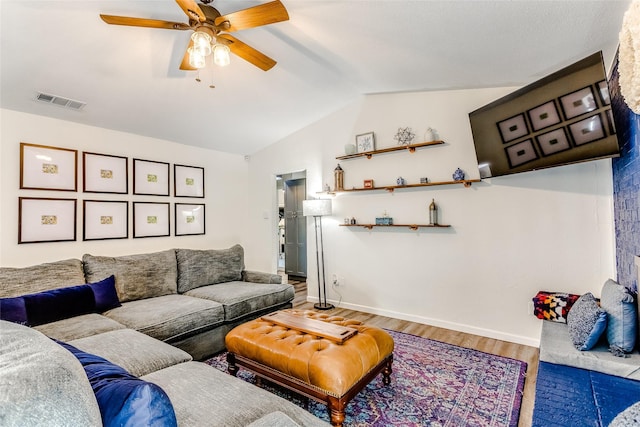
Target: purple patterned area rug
{"x": 433, "y": 383}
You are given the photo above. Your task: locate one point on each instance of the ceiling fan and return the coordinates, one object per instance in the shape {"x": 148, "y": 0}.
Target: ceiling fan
{"x": 211, "y": 31}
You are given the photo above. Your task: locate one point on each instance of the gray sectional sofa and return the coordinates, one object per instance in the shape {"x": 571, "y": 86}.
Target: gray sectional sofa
{"x": 173, "y": 307}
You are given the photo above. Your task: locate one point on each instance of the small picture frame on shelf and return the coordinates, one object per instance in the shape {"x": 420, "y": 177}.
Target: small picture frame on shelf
{"x": 368, "y": 183}
{"x": 365, "y": 142}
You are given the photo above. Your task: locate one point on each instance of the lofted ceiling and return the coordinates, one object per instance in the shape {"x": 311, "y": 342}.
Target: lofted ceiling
{"x": 329, "y": 54}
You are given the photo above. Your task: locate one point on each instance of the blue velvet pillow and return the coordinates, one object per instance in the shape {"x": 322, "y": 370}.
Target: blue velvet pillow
{"x": 622, "y": 317}
{"x": 62, "y": 303}
{"x": 586, "y": 322}
{"x": 123, "y": 399}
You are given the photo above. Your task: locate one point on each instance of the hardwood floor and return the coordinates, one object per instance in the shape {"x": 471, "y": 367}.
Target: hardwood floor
{"x": 488, "y": 345}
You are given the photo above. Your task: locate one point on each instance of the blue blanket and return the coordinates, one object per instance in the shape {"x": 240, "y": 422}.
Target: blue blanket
{"x": 567, "y": 396}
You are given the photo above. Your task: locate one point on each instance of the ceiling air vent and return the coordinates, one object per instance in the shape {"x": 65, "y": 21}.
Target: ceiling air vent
{"x": 60, "y": 101}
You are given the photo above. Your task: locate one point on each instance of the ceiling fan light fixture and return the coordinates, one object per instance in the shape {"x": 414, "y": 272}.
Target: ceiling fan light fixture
{"x": 196, "y": 60}
{"x": 201, "y": 43}
{"x": 221, "y": 55}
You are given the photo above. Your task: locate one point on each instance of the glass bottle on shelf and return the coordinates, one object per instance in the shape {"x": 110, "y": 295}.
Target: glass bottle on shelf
{"x": 433, "y": 213}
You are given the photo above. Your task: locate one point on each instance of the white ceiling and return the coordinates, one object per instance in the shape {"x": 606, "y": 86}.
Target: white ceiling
{"x": 329, "y": 53}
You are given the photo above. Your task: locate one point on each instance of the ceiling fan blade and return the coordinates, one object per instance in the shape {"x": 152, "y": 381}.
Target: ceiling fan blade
{"x": 246, "y": 52}
{"x": 193, "y": 11}
{"x": 143, "y": 22}
{"x": 268, "y": 13}
{"x": 185, "y": 59}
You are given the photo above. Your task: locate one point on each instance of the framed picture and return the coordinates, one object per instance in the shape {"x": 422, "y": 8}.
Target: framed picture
{"x": 150, "y": 219}
{"x": 188, "y": 181}
{"x": 553, "y": 142}
{"x": 521, "y": 153}
{"x": 48, "y": 168}
{"x": 103, "y": 173}
{"x": 368, "y": 183}
{"x": 603, "y": 91}
{"x": 365, "y": 142}
{"x": 189, "y": 219}
{"x": 105, "y": 220}
{"x": 46, "y": 220}
{"x": 544, "y": 115}
{"x": 578, "y": 103}
{"x": 587, "y": 130}
{"x": 150, "y": 178}
{"x": 513, "y": 128}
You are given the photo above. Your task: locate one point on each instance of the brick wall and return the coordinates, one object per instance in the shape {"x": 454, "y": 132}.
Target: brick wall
{"x": 626, "y": 185}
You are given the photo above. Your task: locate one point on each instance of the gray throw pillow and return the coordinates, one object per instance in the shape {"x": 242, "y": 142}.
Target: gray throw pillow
{"x": 622, "y": 317}
{"x": 198, "y": 268}
{"x": 137, "y": 276}
{"x": 586, "y": 322}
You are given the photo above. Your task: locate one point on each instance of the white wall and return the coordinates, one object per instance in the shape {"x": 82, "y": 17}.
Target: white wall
{"x": 510, "y": 236}
{"x": 225, "y": 189}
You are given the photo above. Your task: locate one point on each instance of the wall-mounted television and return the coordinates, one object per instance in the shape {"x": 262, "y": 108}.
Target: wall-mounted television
{"x": 560, "y": 119}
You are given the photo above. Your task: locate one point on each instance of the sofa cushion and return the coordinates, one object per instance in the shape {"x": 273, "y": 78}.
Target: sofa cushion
{"x": 41, "y": 277}
{"x": 170, "y": 317}
{"x": 61, "y": 303}
{"x": 586, "y": 322}
{"x": 243, "y": 298}
{"x": 137, "y": 276}
{"x": 621, "y": 309}
{"x": 41, "y": 383}
{"x": 207, "y": 267}
{"x": 221, "y": 399}
{"x": 79, "y": 327}
{"x": 136, "y": 352}
{"x": 123, "y": 399}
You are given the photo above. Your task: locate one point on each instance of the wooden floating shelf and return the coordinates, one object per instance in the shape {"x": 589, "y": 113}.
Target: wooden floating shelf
{"x": 466, "y": 182}
{"x": 411, "y": 148}
{"x": 411, "y": 226}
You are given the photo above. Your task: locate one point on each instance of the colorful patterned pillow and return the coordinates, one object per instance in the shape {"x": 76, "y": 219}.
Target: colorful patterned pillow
{"x": 553, "y": 306}
{"x": 586, "y": 322}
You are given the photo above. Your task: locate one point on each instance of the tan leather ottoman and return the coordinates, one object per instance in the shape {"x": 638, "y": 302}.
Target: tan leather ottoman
{"x": 315, "y": 366}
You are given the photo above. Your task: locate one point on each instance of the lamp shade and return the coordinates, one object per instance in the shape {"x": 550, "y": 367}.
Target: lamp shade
{"x": 319, "y": 207}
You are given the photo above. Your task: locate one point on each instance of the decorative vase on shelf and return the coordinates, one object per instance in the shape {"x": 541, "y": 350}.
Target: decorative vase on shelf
{"x": 401, "y": 181}
{"x": 349, "y": 149}
{"x": 338, "y": 175}
{"x": 433, "y": 213}
{"x": 458, "y": 175}
{"x": 429, "y": 135}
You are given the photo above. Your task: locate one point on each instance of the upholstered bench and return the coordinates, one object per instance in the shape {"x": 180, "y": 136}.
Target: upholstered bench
{"x": 330, "y": 364}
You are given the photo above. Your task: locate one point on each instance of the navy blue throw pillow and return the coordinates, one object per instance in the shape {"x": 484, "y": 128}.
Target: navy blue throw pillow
{"x": 62, "y": 303}
{"x": 123, "y": 399}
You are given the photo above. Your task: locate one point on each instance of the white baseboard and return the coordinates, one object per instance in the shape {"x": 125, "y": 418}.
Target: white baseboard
{"x": 489, "y": 333}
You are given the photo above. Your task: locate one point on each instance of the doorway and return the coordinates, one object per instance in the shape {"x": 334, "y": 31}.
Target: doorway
{"x": 292, "y": 225}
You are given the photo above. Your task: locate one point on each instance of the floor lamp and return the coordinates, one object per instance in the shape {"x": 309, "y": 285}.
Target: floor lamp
{"x": 317, "y": 209}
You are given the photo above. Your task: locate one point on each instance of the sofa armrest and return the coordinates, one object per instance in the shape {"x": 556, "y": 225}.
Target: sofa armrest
{"x": 260, "y": 277}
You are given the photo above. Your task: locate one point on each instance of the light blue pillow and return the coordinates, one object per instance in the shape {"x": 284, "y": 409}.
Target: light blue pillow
{"x": 622, "y": 317}
{"x": 586, "y": 322}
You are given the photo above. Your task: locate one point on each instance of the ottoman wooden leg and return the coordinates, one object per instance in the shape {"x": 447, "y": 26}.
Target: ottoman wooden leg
{"x": 231, "y": 360}
{"x": 386, "y": 372}
{"x": 336, "y": 411}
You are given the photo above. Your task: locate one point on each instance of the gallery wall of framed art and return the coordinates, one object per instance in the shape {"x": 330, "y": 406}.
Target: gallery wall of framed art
{"x": 116, "y": 197}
